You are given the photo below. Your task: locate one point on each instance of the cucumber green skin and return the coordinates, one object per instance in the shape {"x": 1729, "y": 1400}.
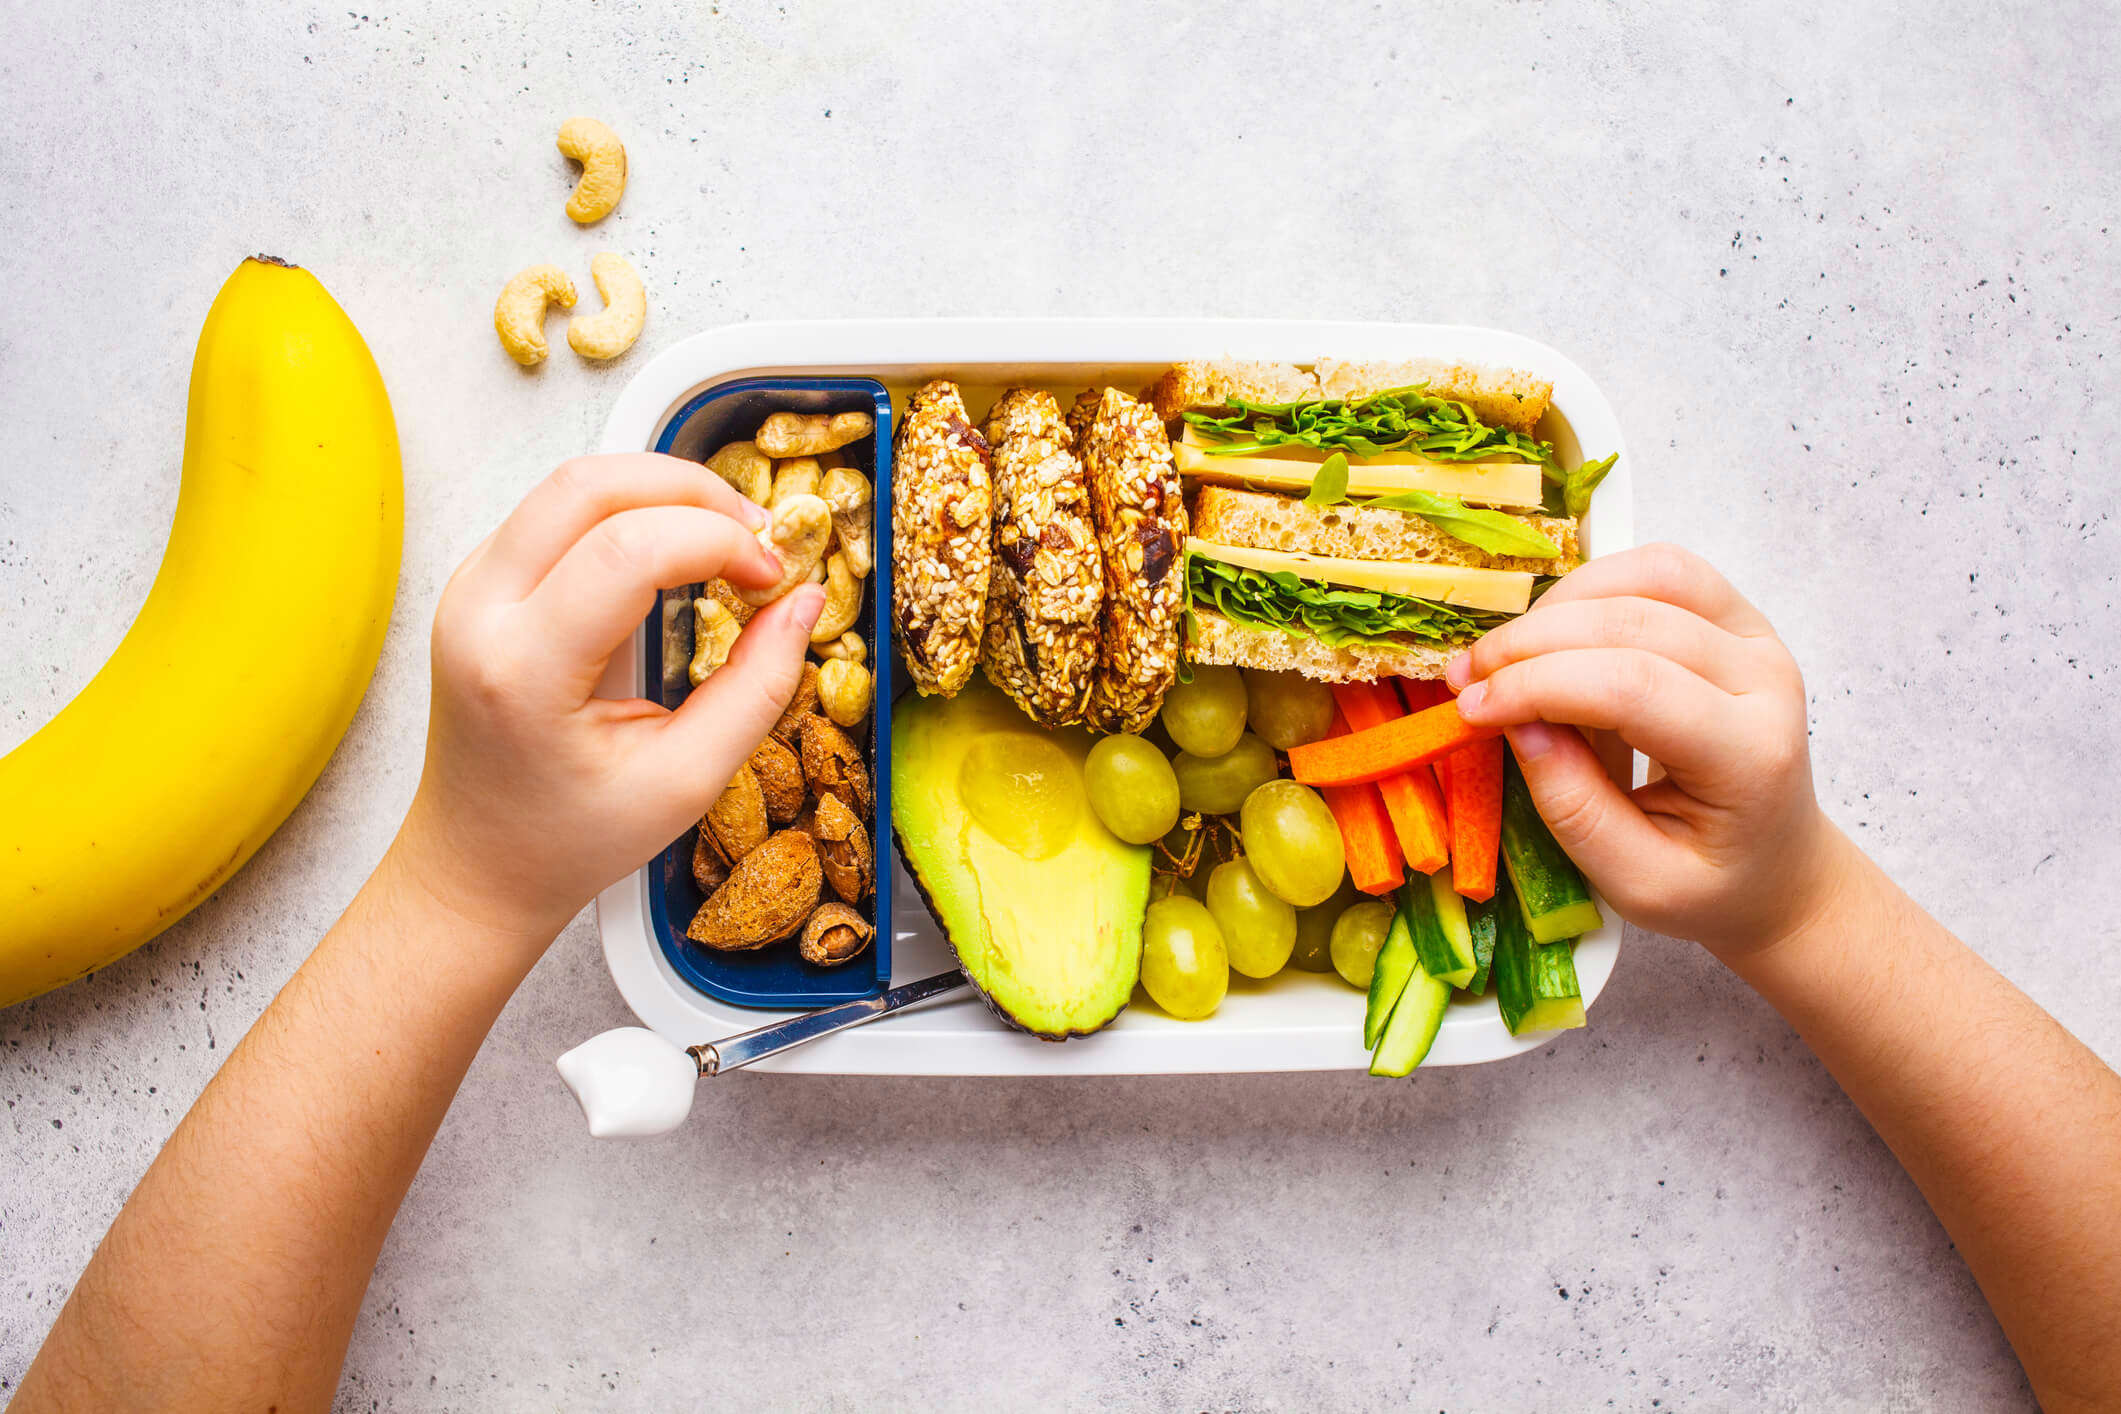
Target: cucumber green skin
{"x": 1553, "y": 896}
{"x": 1412, "y": 1030}
{"x": 1535, "y": 983}
{"x": 1480, "y": 920}
{"x": 1446, "y": 952}
{"x": 1395, "y": 964}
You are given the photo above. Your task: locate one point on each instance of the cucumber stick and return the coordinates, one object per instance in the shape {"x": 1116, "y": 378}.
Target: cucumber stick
{"x": 1395, "y": 964}
{"x": 1555, "y": 901}
{"x": 1535, "y": 982}
{"x": 1480, "y": 920}
{"x": 1414, "y": 1024}
{"x": 1436, "y": 917}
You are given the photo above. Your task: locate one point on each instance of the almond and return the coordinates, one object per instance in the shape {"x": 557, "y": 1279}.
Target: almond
{"x": 768, "y": 894}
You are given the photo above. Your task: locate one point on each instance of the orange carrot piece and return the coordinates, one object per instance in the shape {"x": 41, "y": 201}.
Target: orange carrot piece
{"x": 1422, "y": 694}
{"x": 1375, "y": 865}
{"x": 1472, "y": 786}
{"x": 1398, "y": 745}
{"x": 1412, "y": 798}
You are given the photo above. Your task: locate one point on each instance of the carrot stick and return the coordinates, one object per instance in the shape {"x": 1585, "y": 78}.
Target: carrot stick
{"x": 1420, "y": 695}
{"x": 1472, "y": 787}
{"x": 1398, "y": 745}
{"x": 1366, "y": 834}
{"x": 1412, "y": 799}
{"x": 1423, "y": 693}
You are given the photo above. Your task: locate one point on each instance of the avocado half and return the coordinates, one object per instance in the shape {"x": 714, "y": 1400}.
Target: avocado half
{"x": 1045, "y": 917}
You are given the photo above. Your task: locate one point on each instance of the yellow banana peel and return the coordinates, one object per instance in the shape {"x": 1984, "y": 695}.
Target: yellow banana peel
{"x": 233, "y": 686}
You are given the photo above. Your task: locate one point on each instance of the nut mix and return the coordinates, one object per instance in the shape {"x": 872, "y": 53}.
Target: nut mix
{"x": 793, "y": 820}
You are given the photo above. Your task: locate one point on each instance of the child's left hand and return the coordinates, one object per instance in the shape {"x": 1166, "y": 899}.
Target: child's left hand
{"x": 536, "y": 793}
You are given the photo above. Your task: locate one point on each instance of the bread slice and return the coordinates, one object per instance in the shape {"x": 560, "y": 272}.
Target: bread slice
{"x": 1501, "y": 397}
{"x": 1218, "y": 640}
{"x": 1229, "y": 516}
{"x": 1504, "y": 397}
{"x": 1211, "y": 385}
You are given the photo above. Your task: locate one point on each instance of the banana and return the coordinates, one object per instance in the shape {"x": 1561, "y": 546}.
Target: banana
{"x": 245, "y": 665}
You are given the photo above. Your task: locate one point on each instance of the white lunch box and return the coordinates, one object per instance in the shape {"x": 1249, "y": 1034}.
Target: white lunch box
{"x": 1295, "y": 1021}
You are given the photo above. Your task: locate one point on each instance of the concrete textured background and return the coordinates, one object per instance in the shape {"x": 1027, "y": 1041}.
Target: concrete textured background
{"x": 1847, "y": 271}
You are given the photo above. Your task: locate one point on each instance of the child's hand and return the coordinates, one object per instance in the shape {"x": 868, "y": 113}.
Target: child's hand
{"x": 1730, "y": 848}
{"x": 537, "y": 794}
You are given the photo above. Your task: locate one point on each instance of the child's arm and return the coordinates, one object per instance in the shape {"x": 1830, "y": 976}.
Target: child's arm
{"x": 2010, "y": 1126}
{"x": 233, "y": 1275}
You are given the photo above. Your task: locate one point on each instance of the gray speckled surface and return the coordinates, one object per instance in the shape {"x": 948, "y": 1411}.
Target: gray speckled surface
{"x": 1848, "y": 272}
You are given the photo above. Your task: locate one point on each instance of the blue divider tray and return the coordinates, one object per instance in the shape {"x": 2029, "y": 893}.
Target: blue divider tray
{"x": 775, "y": 977}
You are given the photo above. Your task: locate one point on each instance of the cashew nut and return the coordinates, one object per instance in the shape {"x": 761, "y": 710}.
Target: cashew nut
{"x": 845, "y": 690}
{"x": 798, "y": 476}
{"x": 714, "y": 631}
{"x": 612, "y": 332}
{"x": 519, "y": 314}
{"x": 745, "y": 467}
{"x": 796, "y": 535}
{"x": 843, "y": 601}
{"x": 799, "y": 434}
{"x": 853, "y": 509}
{"x": 848, "y": 645}
{"x": 603, "y": 159}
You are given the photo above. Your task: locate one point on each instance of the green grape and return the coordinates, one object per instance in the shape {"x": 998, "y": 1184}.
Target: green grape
{"x": 1288, "y": 709}
{"x": 1314, "y": 929}
{"x": 1293, "y": 842}
{"x": 1132, "y": 788}
{"x": 1357, "y": 935}
{"x": 1218, "y": 785}
{"x": 1185, "y": 966}
{"x": 1206, "y": 716}
{"x": 1258, "y": 929}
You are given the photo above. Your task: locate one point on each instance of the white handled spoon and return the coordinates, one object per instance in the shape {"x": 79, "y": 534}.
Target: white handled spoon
{"x": 633, "y": 1084}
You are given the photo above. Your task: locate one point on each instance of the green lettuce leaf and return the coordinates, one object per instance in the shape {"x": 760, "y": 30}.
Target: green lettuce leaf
{"x": 1397, "y": 419}
{"x": 1330, "y": 486}
{"x": 1342, "y": 618}
{"x": 1576, "y": 490}
{"x": 1492, "y": 531}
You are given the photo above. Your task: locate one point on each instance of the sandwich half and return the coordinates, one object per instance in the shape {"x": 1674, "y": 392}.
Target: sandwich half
{"x": 1348, "y": 592}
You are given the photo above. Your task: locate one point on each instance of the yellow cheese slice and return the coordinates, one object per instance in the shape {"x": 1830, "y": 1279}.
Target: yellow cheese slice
{"x": 1496, "y": 591}
{"x": 1515, "y": 485}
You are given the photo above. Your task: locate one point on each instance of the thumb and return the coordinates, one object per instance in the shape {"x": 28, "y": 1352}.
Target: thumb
{"x": 725, "y": 718}
{"x": 1595, "y": 823}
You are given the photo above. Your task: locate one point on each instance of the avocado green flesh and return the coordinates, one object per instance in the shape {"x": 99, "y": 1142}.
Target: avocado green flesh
{"x": 1054, "y": 944}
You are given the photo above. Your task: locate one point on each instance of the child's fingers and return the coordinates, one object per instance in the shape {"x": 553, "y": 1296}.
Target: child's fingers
{"x": 1656, "y": 706}
{"x": 584, "y": 492}
{"x": 725, "y": 718}
{"x": 1625, "y": 621}
{"x": 1667, "y": 573}
{"x": 606, "y": 583}
{"x": 1592, "y": 818}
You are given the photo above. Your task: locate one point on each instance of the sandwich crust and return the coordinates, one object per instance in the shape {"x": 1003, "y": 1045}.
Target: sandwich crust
{"x": 941, "y": 513}
{"x": 1233, "y": 517}
{"x": 1502, "y": 397}
{"x": 1047, "y": 581}
{"x": 1140, "y": 516}
{"x": 1217, "y": 640}
{"x": 1211, "y": 385}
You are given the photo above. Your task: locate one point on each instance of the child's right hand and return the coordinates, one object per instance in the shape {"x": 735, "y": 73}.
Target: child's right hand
{"x": 1730, "y": 848}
